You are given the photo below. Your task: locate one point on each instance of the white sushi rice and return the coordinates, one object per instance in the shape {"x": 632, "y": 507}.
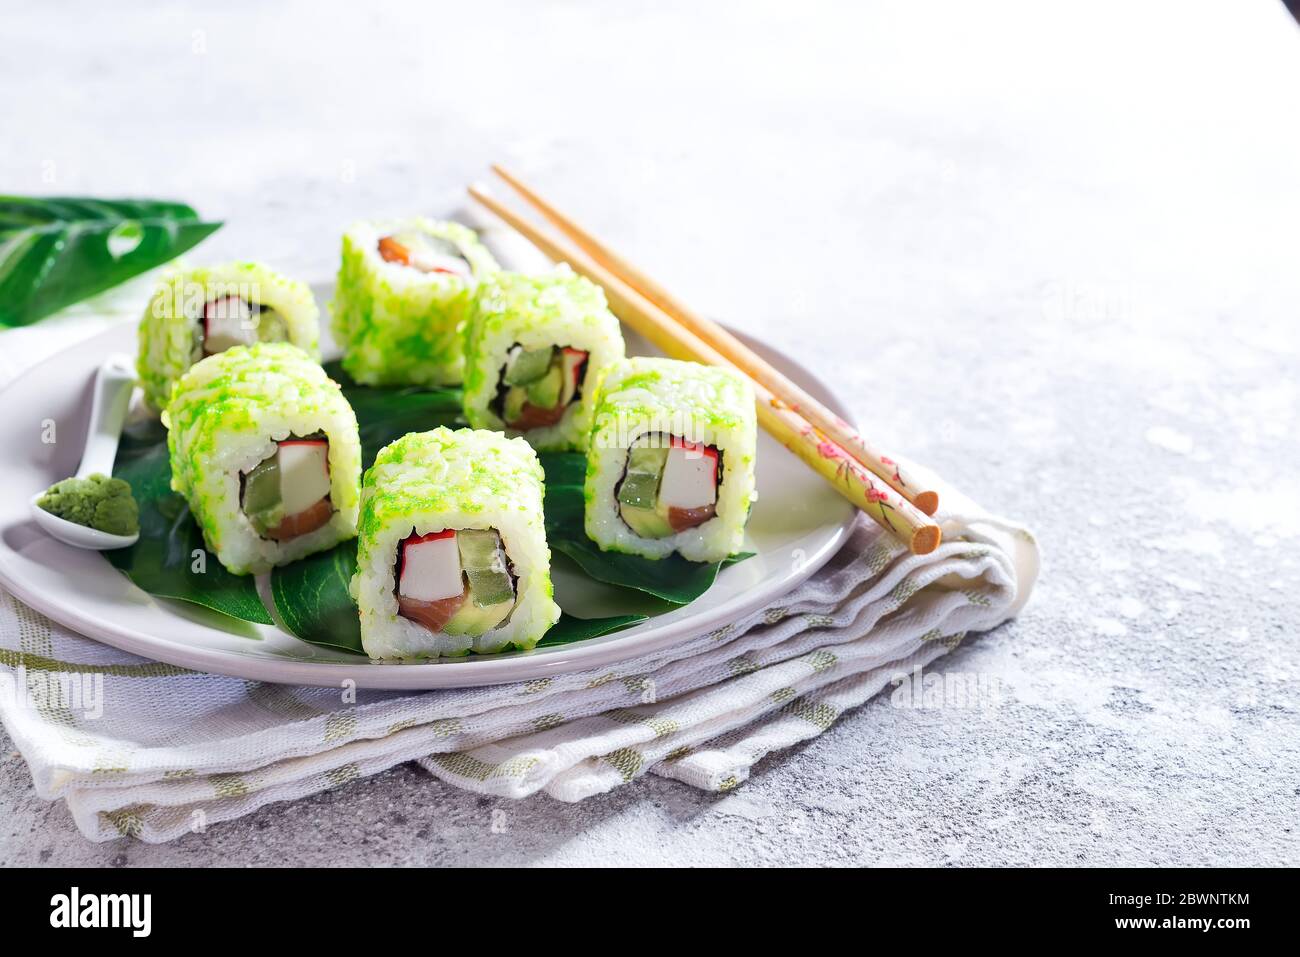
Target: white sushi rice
{"x": 225, "y": 417}
{"x": 559, "y": 308}
{"x": 170, "y": 333}
{"x": 398, "y": 325}
{"x": 430, "y": 481}
{"x": 703, "y": 404}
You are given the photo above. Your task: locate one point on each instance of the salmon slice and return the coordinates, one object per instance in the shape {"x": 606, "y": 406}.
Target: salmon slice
{"x": 302, "y": 523}
{"x": 434, "y": 615}
{"x": 394, "y": 252}
{"x": 683, "y": 518}
{"x": 535, "y": 417}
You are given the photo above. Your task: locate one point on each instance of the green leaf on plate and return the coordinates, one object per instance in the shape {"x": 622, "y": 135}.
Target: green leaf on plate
{"x": 564, "y": 468}
{"x": 56, "y": 251}
{"x": 162, "y": 561}
{"x": 673, "y": 579}
{"x": 312, "y": 598}
{"x": 383, "y": 418}
{"x": 570, "y": 629}
{"x": 386, "y": 414}
{"x": 311, "y": 595}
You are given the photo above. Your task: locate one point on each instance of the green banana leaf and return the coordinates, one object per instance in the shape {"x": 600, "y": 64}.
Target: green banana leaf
{"x": 386, "y": 414}
{"x": 56, "y": 251}
{"x": 311, "y": 595}
{"x": 312, "y": 598}
{"x": 673, "y": 579}
{"x": 163, "y": 561}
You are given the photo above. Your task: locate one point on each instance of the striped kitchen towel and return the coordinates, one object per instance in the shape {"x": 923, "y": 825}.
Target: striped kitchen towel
{"x": 149, "y": 750}
{"x": 139, "y": 748}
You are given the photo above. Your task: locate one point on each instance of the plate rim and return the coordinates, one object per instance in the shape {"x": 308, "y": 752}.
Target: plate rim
{"x": 431, "y": 675}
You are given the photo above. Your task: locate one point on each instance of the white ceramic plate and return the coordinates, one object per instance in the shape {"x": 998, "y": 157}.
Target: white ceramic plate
{"x": 797, "y": 525}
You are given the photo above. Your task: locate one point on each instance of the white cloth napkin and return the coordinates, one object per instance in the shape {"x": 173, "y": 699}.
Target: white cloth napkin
{"x": 153, "y": 751}
{"x": 149, "y": 750}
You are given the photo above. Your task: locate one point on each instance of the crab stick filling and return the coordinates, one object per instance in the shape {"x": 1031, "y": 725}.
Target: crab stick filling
{"x": 458, "y": 582}
{"x": 234, "y": 321}
{"x": 288, "y": 493}
{"x": 668, "y": 488}
{"x": 537, "y": 386}
{"x": 428, "y": 254}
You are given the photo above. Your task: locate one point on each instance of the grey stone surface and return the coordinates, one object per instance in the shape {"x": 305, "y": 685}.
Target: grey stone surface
{"x": 1049, "y": 250}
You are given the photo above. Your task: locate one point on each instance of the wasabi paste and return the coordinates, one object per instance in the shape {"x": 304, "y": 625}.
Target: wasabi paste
{"x": 97, "y": 502}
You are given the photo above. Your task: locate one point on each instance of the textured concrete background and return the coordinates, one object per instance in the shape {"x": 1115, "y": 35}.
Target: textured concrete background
{"x": 1047, "y": 248}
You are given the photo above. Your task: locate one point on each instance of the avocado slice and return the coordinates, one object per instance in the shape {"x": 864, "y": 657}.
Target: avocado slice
{"x": 527, "y": 365}
{"x": 646, "y": 522}
{"x": 262, "y": 502}
{"x": 545, "y": 392}
{"x": 639, "y": 492}
{"x": 484, "y": 562}
{"x": 645, "y": 469}
{"x": 513, "y": 406}
{"x": 271, "y": 326}
{"x": 491, "y": 591}
{"x": 474, "y": 619}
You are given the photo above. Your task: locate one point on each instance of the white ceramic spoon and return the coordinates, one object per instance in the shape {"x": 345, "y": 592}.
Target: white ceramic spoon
{"x": 114, "y": 382}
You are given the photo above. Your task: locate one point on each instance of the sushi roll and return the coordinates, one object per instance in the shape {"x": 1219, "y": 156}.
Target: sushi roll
{"x": 202, "y": 312}
{"x": 404, "y": 292}
{"x": 533, "y": 350}
{"x": 670, "y": 467}
{"x": 266, "y": 450}
{"x": 452, "y": 554}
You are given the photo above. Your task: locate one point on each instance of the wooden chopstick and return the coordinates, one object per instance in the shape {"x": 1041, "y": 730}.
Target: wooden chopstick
{"x": 833, "y": 463}
{"x": 898, "y": 477}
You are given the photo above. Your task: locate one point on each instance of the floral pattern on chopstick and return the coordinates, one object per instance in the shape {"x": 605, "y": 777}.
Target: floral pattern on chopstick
{"x": 848, "y": 469}
{"x": 851, "y": 440}
{"x": 898, "y": 475}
